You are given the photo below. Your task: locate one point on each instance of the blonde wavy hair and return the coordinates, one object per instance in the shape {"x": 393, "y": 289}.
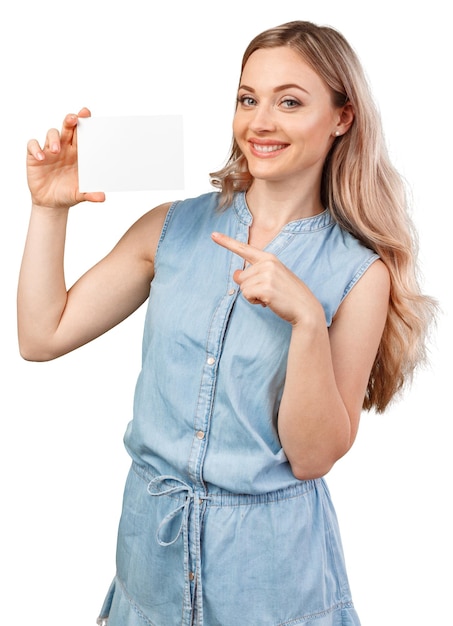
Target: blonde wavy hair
{"x": 365, "y": 195}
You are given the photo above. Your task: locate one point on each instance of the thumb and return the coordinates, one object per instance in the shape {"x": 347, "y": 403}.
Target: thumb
{"x": 237, "y": 276}
{"x": 94, "y": 196}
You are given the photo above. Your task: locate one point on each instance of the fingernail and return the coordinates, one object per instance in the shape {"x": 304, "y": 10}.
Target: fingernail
{"x": 54, "y": 147}
{"x": 39, "y": 156}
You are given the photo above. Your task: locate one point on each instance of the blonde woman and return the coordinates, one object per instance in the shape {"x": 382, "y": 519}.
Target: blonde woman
{"x": 280, "y": 306}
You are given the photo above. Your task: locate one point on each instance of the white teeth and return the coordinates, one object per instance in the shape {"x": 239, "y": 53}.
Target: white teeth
{"x": 260, "y": 148}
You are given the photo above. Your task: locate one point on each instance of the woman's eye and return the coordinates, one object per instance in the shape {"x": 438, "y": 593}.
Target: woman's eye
{"x": 247, "y": 101}
{"x": 290, "y": 103}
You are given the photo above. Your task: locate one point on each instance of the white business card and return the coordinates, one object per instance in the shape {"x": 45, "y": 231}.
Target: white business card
{"x": 130, "y": 153}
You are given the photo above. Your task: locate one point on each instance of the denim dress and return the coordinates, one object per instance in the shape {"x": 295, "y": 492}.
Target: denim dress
{"x": 215, "y": 529}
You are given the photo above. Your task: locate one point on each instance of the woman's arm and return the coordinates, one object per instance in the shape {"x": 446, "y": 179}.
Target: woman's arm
{"x": 53, "y": 320}
{"x": 328, "y": 369}
{"x": 327, "y": 376}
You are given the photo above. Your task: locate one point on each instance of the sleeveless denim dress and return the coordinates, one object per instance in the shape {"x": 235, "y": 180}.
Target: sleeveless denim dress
{"x": 215, "y": 529}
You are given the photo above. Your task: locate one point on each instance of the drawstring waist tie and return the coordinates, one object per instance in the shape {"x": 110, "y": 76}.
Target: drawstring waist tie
{"x": 190, "y": 511}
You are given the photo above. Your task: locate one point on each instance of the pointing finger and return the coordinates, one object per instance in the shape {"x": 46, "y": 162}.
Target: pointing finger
{"x": 246, "y": 251}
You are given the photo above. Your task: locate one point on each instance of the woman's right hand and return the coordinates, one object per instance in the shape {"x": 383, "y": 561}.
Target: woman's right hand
{"x": 52, "y": 170}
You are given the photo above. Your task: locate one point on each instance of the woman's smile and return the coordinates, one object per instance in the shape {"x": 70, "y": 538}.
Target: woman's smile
{"x": 266, "y": 149}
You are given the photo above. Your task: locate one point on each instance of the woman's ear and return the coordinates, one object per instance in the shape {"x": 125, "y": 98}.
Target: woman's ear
{"x": 345, "y": 119}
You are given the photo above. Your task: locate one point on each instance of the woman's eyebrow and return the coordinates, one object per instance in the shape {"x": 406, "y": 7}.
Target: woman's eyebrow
{"x": 278, "y": 88}
{"x": 290, "y": 86}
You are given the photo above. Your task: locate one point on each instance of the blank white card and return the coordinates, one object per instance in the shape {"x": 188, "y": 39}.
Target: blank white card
{"x": 131, "y": 153}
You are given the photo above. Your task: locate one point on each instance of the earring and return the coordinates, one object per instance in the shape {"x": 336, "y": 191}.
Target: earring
{"x": 337, "y": 133}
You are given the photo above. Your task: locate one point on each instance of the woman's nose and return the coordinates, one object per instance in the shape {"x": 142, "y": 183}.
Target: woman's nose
{"x": 263, "y": 119}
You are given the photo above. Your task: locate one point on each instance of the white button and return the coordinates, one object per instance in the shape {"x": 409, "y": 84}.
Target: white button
{"x": 211, "y": 360}
{"x": 232, "y": 292}
{"x": 200, "y": 434}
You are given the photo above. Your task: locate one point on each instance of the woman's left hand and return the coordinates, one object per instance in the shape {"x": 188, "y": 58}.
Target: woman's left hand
{"x": 266, "y": 281}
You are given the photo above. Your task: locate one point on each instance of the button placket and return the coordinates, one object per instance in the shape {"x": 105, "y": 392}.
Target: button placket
{"x": 213, "y": 348}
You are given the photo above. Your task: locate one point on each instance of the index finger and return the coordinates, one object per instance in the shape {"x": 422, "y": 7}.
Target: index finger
{"x": 68, "y": 131}
{"x": 246, "y": 251}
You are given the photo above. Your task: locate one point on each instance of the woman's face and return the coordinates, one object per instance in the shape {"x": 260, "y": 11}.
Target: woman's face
{"x": 285, "y": 121}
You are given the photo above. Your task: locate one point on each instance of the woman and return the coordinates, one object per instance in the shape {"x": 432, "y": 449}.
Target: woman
{"x": 279, "y": 308}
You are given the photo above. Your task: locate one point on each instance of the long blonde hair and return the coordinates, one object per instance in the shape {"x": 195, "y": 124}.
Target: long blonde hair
{"x": 365, "y": 195}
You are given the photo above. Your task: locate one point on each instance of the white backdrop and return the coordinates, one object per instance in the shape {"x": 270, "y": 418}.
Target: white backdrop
{"x": 62, "y": 460}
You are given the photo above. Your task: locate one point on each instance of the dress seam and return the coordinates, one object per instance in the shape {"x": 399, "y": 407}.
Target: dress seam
{"x": 229, "y": 499}
{"x": 304, "y": 618}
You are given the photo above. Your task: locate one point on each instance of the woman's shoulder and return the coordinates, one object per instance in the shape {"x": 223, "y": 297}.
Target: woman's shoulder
{"x": 202, "y": 202}
{"x": 149, "y": 229}
{"x": 193, "y": 212}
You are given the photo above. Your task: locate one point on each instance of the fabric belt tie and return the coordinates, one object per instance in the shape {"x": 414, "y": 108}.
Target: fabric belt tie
{"x": 183, "y": 509}
{"x": 169, "y": 486}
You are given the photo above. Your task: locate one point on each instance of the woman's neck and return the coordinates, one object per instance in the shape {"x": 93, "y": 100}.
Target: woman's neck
{"x": 272, "y": 207}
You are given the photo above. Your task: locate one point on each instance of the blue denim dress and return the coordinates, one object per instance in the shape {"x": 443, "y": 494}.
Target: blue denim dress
{"x": 215, "y": 529}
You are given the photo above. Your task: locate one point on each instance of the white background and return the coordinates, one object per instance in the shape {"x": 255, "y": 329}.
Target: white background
{"x": 62, "y": 460}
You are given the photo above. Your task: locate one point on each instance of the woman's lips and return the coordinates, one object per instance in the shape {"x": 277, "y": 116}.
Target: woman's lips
{"x": 266, "y": 149}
